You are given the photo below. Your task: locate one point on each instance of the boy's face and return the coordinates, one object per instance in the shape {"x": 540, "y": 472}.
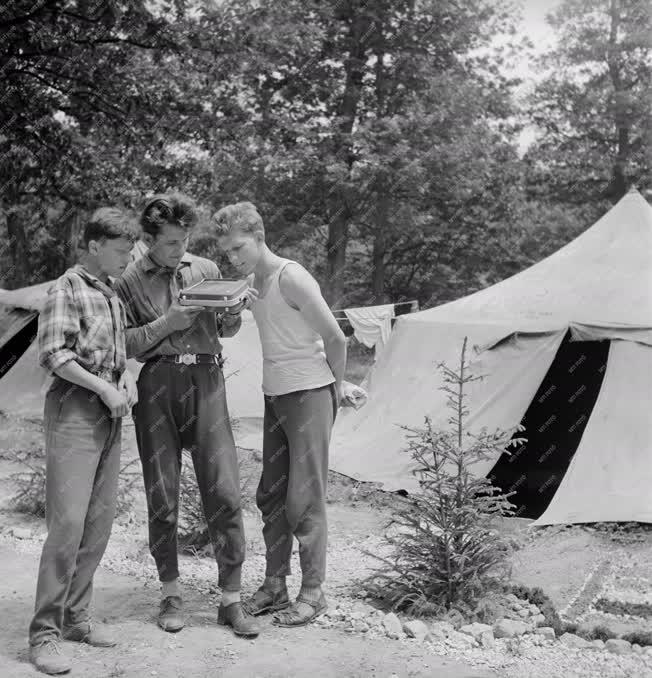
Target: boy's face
{"x": 243, "y": 249}
{"x": 112, "y": 255}
{"x": 169, "y": 245}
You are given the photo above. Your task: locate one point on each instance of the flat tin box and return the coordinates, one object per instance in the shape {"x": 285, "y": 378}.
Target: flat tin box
{"x": 215, "y": 293}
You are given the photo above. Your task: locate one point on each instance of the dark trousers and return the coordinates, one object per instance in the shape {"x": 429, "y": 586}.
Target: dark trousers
{"x": 82, "y": 446}
{"x": 184, "y": 407}
{"x": 291, "y": 494}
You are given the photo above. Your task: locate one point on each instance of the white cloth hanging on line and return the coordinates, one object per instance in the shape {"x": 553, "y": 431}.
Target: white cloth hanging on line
{"x": 372, "y": 325}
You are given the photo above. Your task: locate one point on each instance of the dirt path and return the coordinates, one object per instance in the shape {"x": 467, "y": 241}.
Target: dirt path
{"x": 202, "y": 649}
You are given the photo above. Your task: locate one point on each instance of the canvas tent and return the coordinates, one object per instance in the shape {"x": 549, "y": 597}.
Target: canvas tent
{"x": 23, "y": 383}
{"x": 565, "y": 347}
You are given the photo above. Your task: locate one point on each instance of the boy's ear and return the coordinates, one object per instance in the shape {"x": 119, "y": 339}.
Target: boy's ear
{"x": 92, "y": 247}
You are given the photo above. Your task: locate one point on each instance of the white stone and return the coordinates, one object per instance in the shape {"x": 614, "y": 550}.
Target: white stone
{"x": 375, "y": 619}
{"x": 545, "y": 631}
{"x": 509, "y": 628}
{"x": 637, "y": 648}
{"x": 533, "y": 609}
{"x": 571, "y": 640}
{"x": 618, "y": 646}
{"x": 523, "y": 613}
{"x": 476, "y": 629}
{"x": 460, "y": 640}
{"x": 21, "y": 532}
{"x": 415, "y": 629}
{"x": 487, "y": 640}
{"x": 512, "y": 598}
{"x": 360, "y": 626}
{"x": 441, "y": 629}
{"x": 538, "y": 620}
{"x": 392, "y": 625}
{"x": 598, "y": 644}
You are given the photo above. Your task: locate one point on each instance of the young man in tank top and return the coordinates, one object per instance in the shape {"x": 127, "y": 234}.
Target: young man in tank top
{"x": 304, "y": 357}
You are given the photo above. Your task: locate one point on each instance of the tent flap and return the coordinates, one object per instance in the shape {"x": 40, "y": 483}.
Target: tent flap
{"x": 610, "y": 476}
{"x": 592, "y": 332}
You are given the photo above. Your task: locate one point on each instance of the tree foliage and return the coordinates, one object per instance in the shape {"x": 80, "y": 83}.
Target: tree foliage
{"x": 378, "y": 139}
{"x": 594, "y": 107}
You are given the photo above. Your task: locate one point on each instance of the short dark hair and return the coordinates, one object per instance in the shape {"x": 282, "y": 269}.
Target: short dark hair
{"x": 175, "y": 208}
{"x": 109, "y": 223}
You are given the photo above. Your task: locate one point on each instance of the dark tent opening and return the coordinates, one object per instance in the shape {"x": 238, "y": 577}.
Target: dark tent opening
{"x": 554, "y": 424}
{"x": 20, "y": 331}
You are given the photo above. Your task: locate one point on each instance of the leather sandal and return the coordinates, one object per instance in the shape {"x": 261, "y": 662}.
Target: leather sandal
{"x": 265, "y": 601}
{"x": 293, "y": 617}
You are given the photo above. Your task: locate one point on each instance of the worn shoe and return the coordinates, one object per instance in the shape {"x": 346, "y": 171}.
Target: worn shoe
{"x": 96, "y": 635}
{"x": 234, "y": 616}
{"x": 170, "y": 616}
{"x": 49, "y": 656}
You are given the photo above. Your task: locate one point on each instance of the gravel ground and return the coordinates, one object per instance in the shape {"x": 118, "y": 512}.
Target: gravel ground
{"x": 574, "y": 566}
{"x": 511, "y": 658}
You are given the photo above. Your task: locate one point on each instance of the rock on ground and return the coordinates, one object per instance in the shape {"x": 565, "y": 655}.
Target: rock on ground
{"x": 509, "y": 628}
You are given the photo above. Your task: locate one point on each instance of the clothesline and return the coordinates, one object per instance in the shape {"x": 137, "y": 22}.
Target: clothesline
{"x": 398, "y": 303}
{"x": 372, "y": 325}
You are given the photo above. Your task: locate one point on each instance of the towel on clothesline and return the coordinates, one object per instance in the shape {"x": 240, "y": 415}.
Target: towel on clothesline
{"x": 372, "y": 325}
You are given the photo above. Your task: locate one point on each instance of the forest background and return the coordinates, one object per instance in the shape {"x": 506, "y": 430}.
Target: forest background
{"x": 383, "y": 141}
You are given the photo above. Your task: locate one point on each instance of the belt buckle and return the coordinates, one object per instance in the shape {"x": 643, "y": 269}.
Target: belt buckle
{"x": 188, "y": 358}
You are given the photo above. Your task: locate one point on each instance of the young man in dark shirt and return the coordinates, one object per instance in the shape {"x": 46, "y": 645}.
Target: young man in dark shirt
{"x": 182, "y": 404}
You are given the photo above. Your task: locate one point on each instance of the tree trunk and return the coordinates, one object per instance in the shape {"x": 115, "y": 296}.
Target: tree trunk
{"x": 381, "y": 225}
{"x": 71, "y": 235}
{"x": 380, "y": 243}
{"x": 336, "y": 256}
{"x": 18, "y": 249}
{"x": 619, "y": 184}
{"x": 338, "y": 227}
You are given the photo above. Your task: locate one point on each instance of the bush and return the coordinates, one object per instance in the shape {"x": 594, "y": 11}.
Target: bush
{"x": 536, "y": 596}
{"x": 448, "y": 552}
{"x": 29, "y": 496}
{"x": 193, "y": 530}
{"x": 641, "y": 638}
{"x": 599, "y": 632}
{"x": 130, "y": 475}
{"x": 624, "y": 607}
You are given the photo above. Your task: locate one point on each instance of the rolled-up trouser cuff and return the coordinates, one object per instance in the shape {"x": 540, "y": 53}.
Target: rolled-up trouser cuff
{"x": 230, "y": 577}
{"x": 167, "y": 574}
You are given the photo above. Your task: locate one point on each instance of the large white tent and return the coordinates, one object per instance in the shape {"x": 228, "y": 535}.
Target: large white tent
{"x": 565, "y": 344}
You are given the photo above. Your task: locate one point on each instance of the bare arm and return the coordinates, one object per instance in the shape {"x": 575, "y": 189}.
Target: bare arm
{"x": 302, "y": 292}
{"x": 72, "y": 371}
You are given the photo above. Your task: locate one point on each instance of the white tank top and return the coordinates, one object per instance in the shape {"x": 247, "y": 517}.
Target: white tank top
{"x": 293, "y": 353}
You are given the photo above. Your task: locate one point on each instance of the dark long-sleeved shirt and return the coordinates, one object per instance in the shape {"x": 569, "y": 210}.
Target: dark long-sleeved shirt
{"x": 144, "y": 288}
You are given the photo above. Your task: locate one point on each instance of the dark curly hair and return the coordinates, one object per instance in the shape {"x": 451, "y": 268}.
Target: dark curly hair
{"x": 176, "y": 209}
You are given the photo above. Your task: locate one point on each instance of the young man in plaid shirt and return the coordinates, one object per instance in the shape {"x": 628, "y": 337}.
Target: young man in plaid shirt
{"x": 81, "y": 340}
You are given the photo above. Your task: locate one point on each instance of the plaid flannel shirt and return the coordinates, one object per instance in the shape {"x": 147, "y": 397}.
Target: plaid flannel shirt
{"x": 84, "y": 320}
